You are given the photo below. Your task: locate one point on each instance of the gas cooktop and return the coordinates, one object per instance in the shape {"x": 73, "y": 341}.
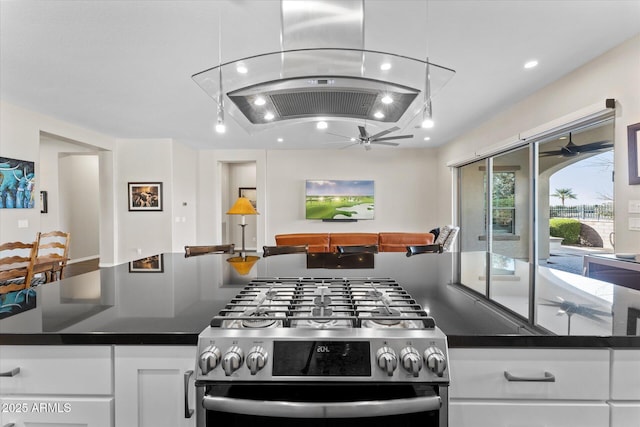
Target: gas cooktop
{"x": 322, "y": 329}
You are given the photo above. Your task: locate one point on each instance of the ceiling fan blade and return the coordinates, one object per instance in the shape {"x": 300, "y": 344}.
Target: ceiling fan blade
{"x": 384, "y": 132}
{"x": 395, "y": 144}
{"x": 391, "y": 138}
{"x": 594, "y": 146}
{"x": 551, "y": 153}
{"x": 350, "y": 145}
{"x": 363, "y": 132}
{"x": 338, "y": 135}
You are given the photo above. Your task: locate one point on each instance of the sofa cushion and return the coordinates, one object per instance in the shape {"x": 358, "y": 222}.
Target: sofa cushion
{"x": 351, "y": 239}
{"x": 398, "y": 242}
{"x": 317, "y": 242}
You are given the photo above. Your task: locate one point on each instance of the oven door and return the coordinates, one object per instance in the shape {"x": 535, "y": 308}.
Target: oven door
{"x": 322, "y": 404}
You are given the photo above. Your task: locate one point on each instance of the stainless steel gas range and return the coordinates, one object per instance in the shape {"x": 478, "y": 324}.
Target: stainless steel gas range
{"x": 322, "y": 351}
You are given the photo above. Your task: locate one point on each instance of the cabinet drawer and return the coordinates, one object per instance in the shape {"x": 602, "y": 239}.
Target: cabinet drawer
{"x": 580, "y": 374}
{"x": 625, "y": 375}
{"x": 45, "y": 411}
{"x": 625, "y": 414}
{"x": 527, "y": 414}
{"x": 56, "y": 370}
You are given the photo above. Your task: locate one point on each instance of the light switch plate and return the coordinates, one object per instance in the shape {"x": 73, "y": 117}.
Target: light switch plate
{"x": 634, "y": 206}
{"x": 634, "y": 224}
{"x": 23, "y": 223}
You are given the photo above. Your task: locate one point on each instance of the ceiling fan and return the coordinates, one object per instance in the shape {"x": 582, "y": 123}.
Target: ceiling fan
{"x": 572, "y": 149}
{"x": 366, "y": 140}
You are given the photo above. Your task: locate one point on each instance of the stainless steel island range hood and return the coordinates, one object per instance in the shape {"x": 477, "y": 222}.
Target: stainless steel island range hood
{"x": 323, "y": 72}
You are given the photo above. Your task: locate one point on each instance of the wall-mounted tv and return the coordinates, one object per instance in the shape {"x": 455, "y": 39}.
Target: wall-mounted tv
{"x": 339, "y": 199}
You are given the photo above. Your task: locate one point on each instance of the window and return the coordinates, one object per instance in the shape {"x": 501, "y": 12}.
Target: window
{"x": 503, "y": 202}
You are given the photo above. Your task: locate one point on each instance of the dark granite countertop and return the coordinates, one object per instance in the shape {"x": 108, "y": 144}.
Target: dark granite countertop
{"x": 173, "y": 300}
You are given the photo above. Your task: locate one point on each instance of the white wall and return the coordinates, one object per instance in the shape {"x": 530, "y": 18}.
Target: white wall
{"x": 139, "y": 233}
{"x": 20, "y": 138}
{"x": 616, "y": 74}
{"x": 184, "y": 202}
{"x": 79, "y": 202}
{"x": 405, "y": 193}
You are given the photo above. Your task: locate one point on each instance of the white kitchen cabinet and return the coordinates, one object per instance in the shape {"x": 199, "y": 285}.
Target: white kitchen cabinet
{"x": 56, "y": 386}
{"x": 575, "y": 393}
{"x": 528, "y": 414}
{"x": 57, "y": 370}
{"x": 56, "y": 411}
{"x": 625, "y": 374}
{"x": 150, "y": 386}
{"x": 625, "y": 388}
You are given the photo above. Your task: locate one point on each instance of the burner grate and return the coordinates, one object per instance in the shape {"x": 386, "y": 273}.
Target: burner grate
{"x": 323, "y": 303}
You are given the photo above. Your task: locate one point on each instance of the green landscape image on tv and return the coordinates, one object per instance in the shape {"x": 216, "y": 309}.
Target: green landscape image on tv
{"x": 339, "y": 199}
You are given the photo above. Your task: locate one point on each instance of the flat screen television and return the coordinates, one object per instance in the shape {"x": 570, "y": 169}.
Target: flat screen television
{"x": 339, "y": 199}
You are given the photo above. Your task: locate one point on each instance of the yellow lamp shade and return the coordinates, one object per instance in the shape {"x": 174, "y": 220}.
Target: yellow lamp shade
{"x": 243, "y": 264}
{"x": 242, "y": 207}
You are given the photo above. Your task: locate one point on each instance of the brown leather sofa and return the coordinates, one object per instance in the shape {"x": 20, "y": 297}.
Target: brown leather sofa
{"x": 317, "y": 242}
{"x": 328, "y": 242}
{"x": 398, "y": 242}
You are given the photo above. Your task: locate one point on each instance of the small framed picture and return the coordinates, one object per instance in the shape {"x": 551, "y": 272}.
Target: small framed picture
{"x": 145, "y": 196}
{"x": 44, "y": 202}
{"x": 250, "y": 193}
{"x": 150, "y": 264}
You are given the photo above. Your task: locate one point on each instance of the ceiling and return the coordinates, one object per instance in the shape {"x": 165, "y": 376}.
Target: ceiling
{"x": 124, "y": 68}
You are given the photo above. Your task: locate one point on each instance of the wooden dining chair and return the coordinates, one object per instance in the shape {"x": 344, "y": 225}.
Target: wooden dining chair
{"x": 16, "y": 265}
{"x": 52, "y": 254}
{"x": 282, "y": 250}
{"x": 357, "y": 249}
{"x": 210, "y": 249}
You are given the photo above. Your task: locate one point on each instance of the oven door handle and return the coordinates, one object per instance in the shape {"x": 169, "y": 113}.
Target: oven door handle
{"x": 357, "y": 409}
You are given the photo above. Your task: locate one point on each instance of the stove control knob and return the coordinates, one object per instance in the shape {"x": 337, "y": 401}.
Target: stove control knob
{"x": 209, "y": 359}
{"x": 256, "y": 359}
{"x": 411, "y": 360}
{"x": 435, "y": 361}
{"x": 387, "y": 360}
{"x": 232, "y": 360}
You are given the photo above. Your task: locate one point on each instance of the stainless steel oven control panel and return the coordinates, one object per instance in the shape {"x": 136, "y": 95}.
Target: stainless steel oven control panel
{"x": 323, "y": 355}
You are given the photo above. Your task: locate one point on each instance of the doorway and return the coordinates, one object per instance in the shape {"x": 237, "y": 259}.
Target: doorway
{"x": 69, "y": 179}
{"x": 238, "y": 179}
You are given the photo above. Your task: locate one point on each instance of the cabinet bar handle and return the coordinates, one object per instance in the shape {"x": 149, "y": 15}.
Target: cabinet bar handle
{"x": 10, "y": 425}
{"x": 548, "y": 378}
{"x": 11, "y": 373}
{"x": 188, "y": 412}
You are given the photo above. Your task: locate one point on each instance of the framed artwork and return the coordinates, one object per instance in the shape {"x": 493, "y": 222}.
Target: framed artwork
{"x": 44, "y": 202}
{"x": 150, "y": 264}
{"x": 250, "y": 193}
{"x": 145, "y": 196}
{"x": 633, "y": 136}
{"x": 17, "y": 184}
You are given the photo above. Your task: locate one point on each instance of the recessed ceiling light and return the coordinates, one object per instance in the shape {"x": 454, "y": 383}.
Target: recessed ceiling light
{"x": 242, "y": 69}
{"x": 530, "y": 64}
{"x": 387, "y": 99}
{"x": 280, "y": 139}
{"x": 428, "y": 123}
{"x": 269, "y": 116}
{"x": 352, "y": 139}
{"x": 385, "y": 66}
{"x": 259, "y": 101}
{"x": 563, "y": 137}
{"x": 322, "y": 125}
{"x": 427, "y": 138}
{"x": 378, "y": 115}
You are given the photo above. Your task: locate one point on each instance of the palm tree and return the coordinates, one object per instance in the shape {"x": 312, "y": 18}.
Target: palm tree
{"x": 564, "y": 193}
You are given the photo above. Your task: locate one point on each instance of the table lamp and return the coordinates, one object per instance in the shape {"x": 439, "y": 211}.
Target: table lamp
{"x": 242, "y": 207}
